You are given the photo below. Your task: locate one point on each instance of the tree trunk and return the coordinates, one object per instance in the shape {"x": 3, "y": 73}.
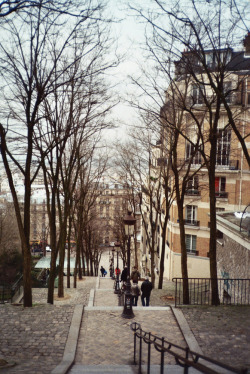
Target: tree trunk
{"x": 212, "y": 242}
{"x": 52, "y": 275}
{"x": 163, "y": 247}
{"x": 184, "y": 270}
{"x": 68, "y": 257}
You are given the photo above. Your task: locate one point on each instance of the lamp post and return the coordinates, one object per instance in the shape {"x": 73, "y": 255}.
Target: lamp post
{"x": 117, "y": 283}
{"x": 129, "y": 222}
{"x": 113, "y": 268}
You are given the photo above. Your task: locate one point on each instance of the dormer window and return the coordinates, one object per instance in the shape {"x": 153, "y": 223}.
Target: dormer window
{"x": 209, "y": 60}
{"x": 246, "y": 43}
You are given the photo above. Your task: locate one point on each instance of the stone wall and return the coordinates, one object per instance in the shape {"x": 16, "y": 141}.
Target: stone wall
{"x": 233, "y": 260}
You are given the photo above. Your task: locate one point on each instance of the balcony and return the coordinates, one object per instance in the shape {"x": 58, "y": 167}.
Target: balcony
{"x": 192, "y": 192}
{"x": 225, "y": 164}
{"x": 221, "y": 194}
{"x": 162, "y": 161}
{"x": 191, "y": 222}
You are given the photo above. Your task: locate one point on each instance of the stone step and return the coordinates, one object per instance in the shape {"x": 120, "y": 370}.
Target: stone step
{"x": 126, "y": 369}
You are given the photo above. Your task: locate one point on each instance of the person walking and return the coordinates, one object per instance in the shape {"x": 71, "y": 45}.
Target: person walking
{"x": 135, "y": 291}
{"x": 124, "y": 274}
{"x": 146, "y": 289}
{"x": 117, "y": 270}
{"x": 102, "y": 271}
{"x": 135, "y": 275}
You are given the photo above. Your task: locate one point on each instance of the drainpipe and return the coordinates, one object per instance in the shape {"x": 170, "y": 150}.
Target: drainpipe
{"x": 241, "y": 161}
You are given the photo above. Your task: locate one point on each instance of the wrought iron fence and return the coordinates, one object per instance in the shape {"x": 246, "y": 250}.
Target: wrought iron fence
{"x": 183, "y": 356}
{"x": 231, "y": 291}
{"x": 8, "y": 291}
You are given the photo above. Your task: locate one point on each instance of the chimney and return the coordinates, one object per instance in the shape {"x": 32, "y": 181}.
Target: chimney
{"x": 246, "y": 43}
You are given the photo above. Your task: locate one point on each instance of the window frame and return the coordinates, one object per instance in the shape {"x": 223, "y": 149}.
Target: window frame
{"x": 192, "y": 239}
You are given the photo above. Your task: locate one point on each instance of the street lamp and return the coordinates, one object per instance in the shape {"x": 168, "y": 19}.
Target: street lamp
{"x": 113, "y": 268}
{"x": 129, "y": 222}
{"x": 117, "y": 283}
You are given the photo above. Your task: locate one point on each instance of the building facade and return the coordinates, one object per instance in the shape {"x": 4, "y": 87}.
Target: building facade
{"x": 190, "y": 108}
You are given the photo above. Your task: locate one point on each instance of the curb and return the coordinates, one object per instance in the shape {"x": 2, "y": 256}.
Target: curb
{"x": 71, "y": 344}
{"x": 186, "y": 331}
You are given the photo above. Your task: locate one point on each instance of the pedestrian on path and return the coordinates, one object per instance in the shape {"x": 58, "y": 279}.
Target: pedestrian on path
{"x": 117, "y": 271}
{"x": 103, "y": 271}
{"x": 135, "y": 275}
{"x": 135, "y": 293}
{"x": 124, "y": 274}
{"x": 146, "y": 289}
{"x": 111, "y": 269}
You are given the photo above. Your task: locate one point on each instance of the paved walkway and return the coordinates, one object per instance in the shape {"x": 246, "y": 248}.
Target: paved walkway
{"x": 34, "y": 339}
{"x": 106, "y": 338}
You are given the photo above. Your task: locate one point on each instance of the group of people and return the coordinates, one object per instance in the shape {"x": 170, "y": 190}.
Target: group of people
{"x": 146, "y": 286}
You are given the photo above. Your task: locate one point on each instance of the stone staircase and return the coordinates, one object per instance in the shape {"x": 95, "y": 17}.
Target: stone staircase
{"x": 127, "y": 369}
{"x": 105, "y": 343}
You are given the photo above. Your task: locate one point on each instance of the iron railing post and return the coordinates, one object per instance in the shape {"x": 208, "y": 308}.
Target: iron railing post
{"x": 140, "y": 352}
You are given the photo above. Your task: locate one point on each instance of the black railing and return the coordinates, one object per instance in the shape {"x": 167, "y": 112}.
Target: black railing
{"x": 191, "y": 222}
{"x": 225, "y": 163}
{"x": 192, "y": 192}
{"x": 221, "y": 194}
{"x": 8, "y": 291}
{"x": 183, "y": 356}
{"x": 231, "y": 291}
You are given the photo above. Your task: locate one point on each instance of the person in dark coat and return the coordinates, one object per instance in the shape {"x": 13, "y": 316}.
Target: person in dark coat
{"x": 103, "y": 271}
{"x": 135, "y": 275}
{"x": 124, "y": 274}
{"x": 146, "y": 289}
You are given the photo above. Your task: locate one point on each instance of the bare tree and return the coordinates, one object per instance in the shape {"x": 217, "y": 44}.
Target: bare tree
{"x": 36, "y": 49}
{"x": 200, "y": 27}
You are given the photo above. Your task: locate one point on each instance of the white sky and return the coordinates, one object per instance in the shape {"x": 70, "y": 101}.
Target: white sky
{"x": 129, "y": 34}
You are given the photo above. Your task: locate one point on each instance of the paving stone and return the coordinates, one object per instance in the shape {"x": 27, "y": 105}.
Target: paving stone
{"x": 35, "y": 338}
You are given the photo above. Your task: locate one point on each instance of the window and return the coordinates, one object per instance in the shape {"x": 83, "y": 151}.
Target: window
{"x": 190, "y": 243}
{"x": 209, "y": 59}
{"x": 247, "y": 88}
{"x": 192, "y": 154}
{"x": 197, "y": 94}
{"x": 220, "y": 187}
{"x": 193, "y": 185}
{"x": 227, "y": 91}
{"x": 223, "y": 147}
{"x": 191, "y": 214}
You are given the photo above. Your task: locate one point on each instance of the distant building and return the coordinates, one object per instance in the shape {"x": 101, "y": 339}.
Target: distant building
{"x": 110, "y": 208}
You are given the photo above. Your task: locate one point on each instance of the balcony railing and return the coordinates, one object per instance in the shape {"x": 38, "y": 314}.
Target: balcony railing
{"x": 162, "y": 161}
{"x": 191, "y": 222}
{"x": 221, "y": 194}
{"x": 224, "y": 163}
{"x": 192, "y": 192}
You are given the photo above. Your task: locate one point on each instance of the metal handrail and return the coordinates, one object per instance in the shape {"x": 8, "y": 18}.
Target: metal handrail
{"x": 185, "y": 357}
{"x": 8, "y": 291}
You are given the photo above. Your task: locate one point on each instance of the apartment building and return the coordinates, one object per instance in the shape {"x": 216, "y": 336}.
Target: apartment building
{"x": 110, "y": 208}
{"x": 232, "y": 175}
